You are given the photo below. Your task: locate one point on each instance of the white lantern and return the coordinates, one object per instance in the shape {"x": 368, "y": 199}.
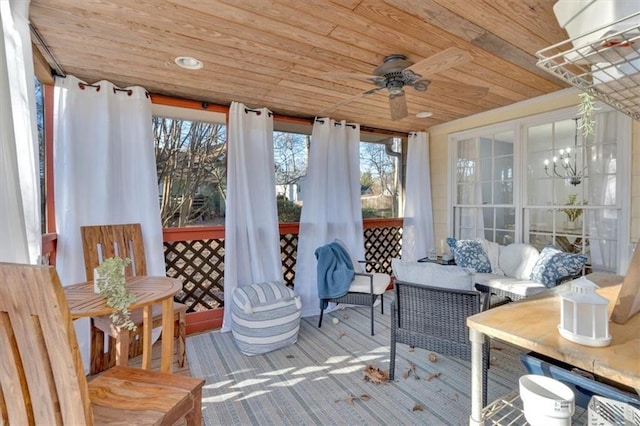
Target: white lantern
{"x": 584, "y": 316}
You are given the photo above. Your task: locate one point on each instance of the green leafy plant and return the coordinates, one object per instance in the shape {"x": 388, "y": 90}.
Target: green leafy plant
{"x": 587, "y": 110}
{"x": 111, "y": 285}
{"x": 573, "y": 213}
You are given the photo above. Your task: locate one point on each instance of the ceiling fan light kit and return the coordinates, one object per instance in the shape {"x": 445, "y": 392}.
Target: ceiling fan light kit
{"x": 396, "y": 72}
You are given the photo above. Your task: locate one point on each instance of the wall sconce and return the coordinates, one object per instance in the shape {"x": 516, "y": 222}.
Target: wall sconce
{"x": 584, "y": 316}
{"x": 567, "y": 163}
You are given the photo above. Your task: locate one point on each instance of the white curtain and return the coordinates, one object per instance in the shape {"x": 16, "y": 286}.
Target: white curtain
{"x": 602, "y": 190}
{"x": 20, "y": 234}
{"x": 331, "y": 207}
{"x": 417, "y": 228}
{"x": 104, "y": 172}
{"x": 252, "y": 237}
{"x": 470, "y": 174}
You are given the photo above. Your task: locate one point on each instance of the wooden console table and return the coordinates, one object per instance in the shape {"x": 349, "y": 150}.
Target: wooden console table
{"x": 532, "y": 323}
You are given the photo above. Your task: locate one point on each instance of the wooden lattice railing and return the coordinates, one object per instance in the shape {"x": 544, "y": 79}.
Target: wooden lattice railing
{"x": 196, "y": 257}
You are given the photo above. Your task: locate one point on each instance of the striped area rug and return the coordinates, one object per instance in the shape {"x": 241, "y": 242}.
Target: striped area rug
{"x": 320, "y": 379}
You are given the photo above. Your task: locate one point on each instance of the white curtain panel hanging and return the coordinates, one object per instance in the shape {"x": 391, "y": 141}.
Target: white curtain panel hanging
{"x": 331, "y": 207}
{"x": 471, "y": 218}
{"x": 417, "y": 228}
{"x": 602, "y": 189}
{"x": 252, "y": 237}
{"x": 104, "y": 172}
{"x": 21, "y": 239}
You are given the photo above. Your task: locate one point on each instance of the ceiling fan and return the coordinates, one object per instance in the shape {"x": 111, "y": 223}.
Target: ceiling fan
{"x": 396, "y": 72}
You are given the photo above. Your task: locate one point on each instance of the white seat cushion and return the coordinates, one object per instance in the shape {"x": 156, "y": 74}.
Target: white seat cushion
{"x": 433, "y": 274}
{"x": 361, "y": 284}
{"x": 517, "y": 260}
{"x": 512, "y": 285}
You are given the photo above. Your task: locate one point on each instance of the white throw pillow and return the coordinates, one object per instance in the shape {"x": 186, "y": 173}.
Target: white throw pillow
{"x": 493, "y": 253}
{"x": 433, "y": 274}
{"x": 517, "y": 260}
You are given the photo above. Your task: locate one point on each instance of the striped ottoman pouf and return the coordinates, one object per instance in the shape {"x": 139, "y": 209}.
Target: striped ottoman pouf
{"x": 265, "y": 317}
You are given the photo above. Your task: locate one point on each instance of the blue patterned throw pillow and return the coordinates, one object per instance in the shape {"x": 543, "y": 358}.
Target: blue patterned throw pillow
{"x": 553, "y": 264}
{"x": 469, "y": 254}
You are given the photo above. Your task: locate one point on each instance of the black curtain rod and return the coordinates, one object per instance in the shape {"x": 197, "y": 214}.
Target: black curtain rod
{"x": 115, "y": 89}
{"x": 257, "y": 111}
{"x": 337, "y": 123}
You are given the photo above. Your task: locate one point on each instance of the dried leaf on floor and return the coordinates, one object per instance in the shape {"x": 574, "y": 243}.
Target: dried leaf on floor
{"x": 410, "y": 369}
{"x": 433, "y": 357}
{"x": 350, "y": 399}
{"x": 418, "y": 407}
{"x": 290, "y": 356}
{"x": 496, "y": 348}
{"x": 432, "y": 376}
{"x": 374, "y": 375}
{"x": 341, "y": 335}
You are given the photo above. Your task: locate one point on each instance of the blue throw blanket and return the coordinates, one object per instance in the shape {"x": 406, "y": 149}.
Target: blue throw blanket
{"x": 335, "y": 272}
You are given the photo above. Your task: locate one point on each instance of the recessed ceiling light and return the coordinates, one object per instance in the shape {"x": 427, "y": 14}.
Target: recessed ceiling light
{"x": 188, "y": 62}
{"x": 424, "y": 114}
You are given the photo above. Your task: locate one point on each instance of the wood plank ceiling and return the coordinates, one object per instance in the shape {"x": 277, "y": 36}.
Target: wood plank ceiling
{"x": 276, "y": 53}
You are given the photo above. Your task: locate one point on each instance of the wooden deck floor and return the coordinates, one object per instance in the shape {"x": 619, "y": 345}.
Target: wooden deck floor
{"x": 155, "y": 361}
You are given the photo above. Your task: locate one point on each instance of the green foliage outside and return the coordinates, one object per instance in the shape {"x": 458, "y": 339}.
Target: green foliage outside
{"x": 288, "y": 211}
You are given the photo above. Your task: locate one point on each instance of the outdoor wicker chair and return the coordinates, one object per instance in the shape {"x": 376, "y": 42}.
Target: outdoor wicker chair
{"x": 365, "y": 288}
{"x": 434, "y": 318}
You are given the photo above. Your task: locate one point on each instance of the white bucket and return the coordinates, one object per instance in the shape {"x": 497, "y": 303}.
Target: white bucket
{"x": 546, "y": 401}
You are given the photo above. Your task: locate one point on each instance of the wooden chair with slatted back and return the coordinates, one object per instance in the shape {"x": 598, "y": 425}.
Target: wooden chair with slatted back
{"x": 105, "y": 241}
{"x": 42, "y": 380}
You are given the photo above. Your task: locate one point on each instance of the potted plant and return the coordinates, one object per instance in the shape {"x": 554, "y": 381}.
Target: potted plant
{"x": 109, "y": 281}
{"x": 573, "y": 213}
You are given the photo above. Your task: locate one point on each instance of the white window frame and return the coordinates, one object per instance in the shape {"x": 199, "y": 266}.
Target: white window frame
{"x": 478, "y": 132}
{"x": 519, "y": 126}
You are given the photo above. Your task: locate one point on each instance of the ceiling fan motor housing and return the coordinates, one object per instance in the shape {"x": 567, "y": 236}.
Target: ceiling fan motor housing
{"x": 395, "y": 83}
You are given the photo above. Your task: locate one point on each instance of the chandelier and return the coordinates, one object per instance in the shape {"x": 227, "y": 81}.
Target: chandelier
{"x": 565, "y": 165}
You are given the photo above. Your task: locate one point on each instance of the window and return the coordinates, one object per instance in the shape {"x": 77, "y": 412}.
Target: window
{"x": 291, "y": 152}
{"x": 573, "y": 189}
{"x": 39, "y": 92}
{"x": 191, "y": 165}
{"x": 579, "y": 206}
{"x": 484, "y": 199}
{"x": 380, "y": 178}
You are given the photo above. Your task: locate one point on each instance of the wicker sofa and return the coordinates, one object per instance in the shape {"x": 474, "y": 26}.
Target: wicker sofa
{"x": 518, "y": 270}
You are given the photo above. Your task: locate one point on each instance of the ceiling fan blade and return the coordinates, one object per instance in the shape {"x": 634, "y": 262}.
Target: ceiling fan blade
{"x": 398, "y": 106}
{"x": 446, "y": 59}
{"x": 348, "y": 100}
{"x": 457, "y": 90}
{"x": 344, "y": 75}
